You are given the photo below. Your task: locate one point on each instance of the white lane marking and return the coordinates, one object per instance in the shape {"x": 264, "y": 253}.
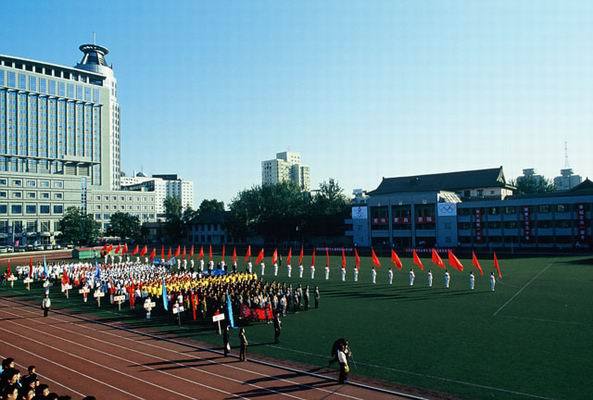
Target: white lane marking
{"x": 523, "y": 287}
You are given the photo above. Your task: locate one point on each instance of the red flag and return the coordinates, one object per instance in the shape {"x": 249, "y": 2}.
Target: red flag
{"x": 275, "y": 256}
{"x": 260, "y": 256}
{"x": 191, "y": 251}
{"x": 162, "y": 252}
{"x": 417, "y": 260}
{"x": 30, "y": 267}
{"x": 124, "y": 249}
{"x": 152, "y": 254}
{"x": 395, "y": 260}
{"x": 194, "y": 305}
{"x": 117, "y": 249}
{"x": 104, "y": 248}
{"x": 169, "y": 253}
{"x": 247, "y": 253}
{"x": 477, "y": 263}
{"x": 313, "y": 257}
{"x": 223, "y": 252}
{"x": 301, "y": 254}
{"x": 497, "y": 266}
{"x": 437, "y": 260}
{"x": 184, "y": 253}
{"x": 210, "y": 253}
{"x": 343, "y": 258}
{"x": 144, "y": 251}
{"x": 178, "y": 251}
{"x": 8, "y": 270}
{"x": 375, "y": 259}
{"x": 327, "y": 257}
{"x": 454, "y": 261}
{"x": 109, "y": 248}
{"x": 356, "y": 258}
{"x": 65, "y": 278}
{"x": 201, "y": 253}
{"x": 136, "y": 250}
{"x": 234, "y": 258}
{"x": 289, "y": 256}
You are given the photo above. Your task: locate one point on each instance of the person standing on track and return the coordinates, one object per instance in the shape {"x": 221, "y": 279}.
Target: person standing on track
{"x": 277, "y": 328}
{"x": 244, "y": 343}
{"x": 492, "y": 281}
{"x": 343, "y": 360}
{"x": 225, "y": 340}
{"x": 45, "y": 305}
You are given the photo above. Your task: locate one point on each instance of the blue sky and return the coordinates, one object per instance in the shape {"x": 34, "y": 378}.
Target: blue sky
{"x": 362, "y": 89}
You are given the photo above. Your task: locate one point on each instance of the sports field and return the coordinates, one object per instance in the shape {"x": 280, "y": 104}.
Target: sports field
{"x": 532, "y": 338}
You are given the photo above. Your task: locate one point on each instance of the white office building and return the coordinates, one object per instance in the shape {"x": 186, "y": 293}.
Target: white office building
{"x": 286, "y": 167}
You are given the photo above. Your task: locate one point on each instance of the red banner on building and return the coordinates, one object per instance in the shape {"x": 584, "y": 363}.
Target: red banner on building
{"x": 526, "y": 224}
{"x": 478, "y": 224}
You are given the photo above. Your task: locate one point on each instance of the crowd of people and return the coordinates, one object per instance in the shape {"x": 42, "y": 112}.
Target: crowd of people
{"x": 15, "y": 386}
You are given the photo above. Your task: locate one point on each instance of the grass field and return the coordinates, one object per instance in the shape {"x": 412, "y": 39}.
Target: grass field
{"x": 532, "y": 338}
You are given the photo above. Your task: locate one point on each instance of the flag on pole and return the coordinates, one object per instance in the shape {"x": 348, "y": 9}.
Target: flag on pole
{"x": 356, "y": 259}
{"x": 247, "y": 253}
{"x": 201, "y": 253}
{"x": 327, "y": 257}
{"x": 45, "y": 274}
{"x": 275, "y": 256}
{"x": 169, "y": 253}
{"x": 191, "y": 251}
{"x": 437, "y": 260}
{"x": 417, "y": 260}
{"x": 313, "y": 257}
{"x": 152, "y": 254}
{"x": 343, "y": 258}
{"x": 375, "y": 259}
{"x": 260, "y": 256}
{"x": 289, "y": 256}
{"x": 162, "y": 252}
{"x": 301, "y": 255}
{"x": 210, "y": 253}
{"x": 124, "y": 249}
{"x": 144, "y": 251}
{"x": 177, "y": 251}
{"x": 497, "y": 266}
{"x": 229, "y": 309}
{"x": 65, "y": 277}
{"x": 223, "y": 252}
{"x": 136, "y": 250}
{"x": 184, "y": 254}
{"x": 8, "y": 270}
{"x": 234, "y": 257}
{"x": 30, "y": 267}
{"x": 454, "y": 261}
{"x": 165, "y": 299}
{"x": 118, "y": 249}
{"x": 109, "y": 248}
{"x": 395, "y": 260}
{"x": 477, "y": 263}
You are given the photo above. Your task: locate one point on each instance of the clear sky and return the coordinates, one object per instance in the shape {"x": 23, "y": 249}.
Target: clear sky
{"x": 362, "y": 89}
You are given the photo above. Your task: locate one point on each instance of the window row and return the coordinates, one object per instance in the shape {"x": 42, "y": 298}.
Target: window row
{"x": 32, "y": 183}
{"x": 58, "y": 209}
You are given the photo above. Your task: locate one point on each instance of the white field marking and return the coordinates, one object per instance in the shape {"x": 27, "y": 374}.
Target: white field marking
{"x": 523, "y": 287}
{"x": 100, "y": 365}
{"x": 201, "y": 359}
{"x": 424, "y": 375}
{"x": 45, "y": 378}
{"x": 158, "y": 358}
{"x": 545, "y": 320}
{"x": 70, "y": 369}
{"x": 270, "y": 364}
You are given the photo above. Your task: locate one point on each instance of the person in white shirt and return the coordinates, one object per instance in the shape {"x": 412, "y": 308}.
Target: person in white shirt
{"x": 412, "y": 276}
{"x": 374, "y": 275}
{"x": 344, "y": 368}
{"x": 289, "y": 268}
{"x": 45, "y": 305}
{"x": 390, "y": 276}
{"x": 492, "y": 281}
{"x": 326, "y": 272}
{"x": 472, "y": 281}
{"x": 250, "y": 267}
{"x": 201, "y": 265}
{"x": 262, "y": 267}
{"x": 356, "y": 274}
{"x": 447, "y": 279}
{"x": 275, "y": 269}
{"x": 312, "y": 271}
{"x": 429, "y": 276}
{"x": 343, "y": 272}
{"x": 301, "y": 271}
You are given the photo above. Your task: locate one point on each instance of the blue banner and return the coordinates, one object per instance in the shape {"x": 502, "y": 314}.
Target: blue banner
{"x": 229, "y": 308}
{"x": 165, "y": 299}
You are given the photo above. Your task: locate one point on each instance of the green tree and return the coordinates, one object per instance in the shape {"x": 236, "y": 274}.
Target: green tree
{"x": 328, "y": 210}
{"x": 210, "y": 206}
{"x": 78, "y": 228}
{"x": 533, "y": 184}
{"x": 125, "y": 226}
{"x": 174, "y": 228}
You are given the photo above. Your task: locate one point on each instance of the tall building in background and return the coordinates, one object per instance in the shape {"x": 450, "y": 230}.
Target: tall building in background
{"x": 163, "y": 186}
{"x": 60, "y": 146}
{"x": 286, "y": 167}
{"x": 567, "y": 180}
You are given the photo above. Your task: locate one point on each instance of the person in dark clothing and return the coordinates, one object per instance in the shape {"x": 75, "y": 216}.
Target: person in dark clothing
{"x": 244, "y": 343}
{"x": 225, "y": 341}
{"x": 317, "y": 296}
{"x": 277, "y": 328}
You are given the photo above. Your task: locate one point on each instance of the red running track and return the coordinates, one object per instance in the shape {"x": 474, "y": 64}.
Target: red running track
{"x": 78, "y": 356}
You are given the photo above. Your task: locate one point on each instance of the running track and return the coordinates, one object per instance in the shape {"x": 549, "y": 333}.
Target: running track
{"x": 78, "y": 356}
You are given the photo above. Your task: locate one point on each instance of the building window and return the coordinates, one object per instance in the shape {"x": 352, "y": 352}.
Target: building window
{"x": 58, "y": 196}
{"x": 3, "y": 182}
{"x": 3, "y": 208}
{"x": 58, "y": 209}
{"x": 17, "y": 195}
{"x": 45, "y": 195}
{"x": 16, "y": 209}
{"x": 106, "y": 216}
{"x": 31, "y": 183}
{"x": 97, "y": 216}
{"x": 44, "y": 209}
{"x": 59, "y": 184}
{"x": 31, "y": 195}
{"x": 44, "y": 184}
{"x": 31, "y": 209}
{"x": 3, "y": 194}
{"x": 17, "y": 182}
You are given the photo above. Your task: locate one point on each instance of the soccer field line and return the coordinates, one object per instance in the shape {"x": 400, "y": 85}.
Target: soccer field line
{"x": 523, "y": 288}
{"x": 545, "y": 320}
{"x": 425, "y": 375}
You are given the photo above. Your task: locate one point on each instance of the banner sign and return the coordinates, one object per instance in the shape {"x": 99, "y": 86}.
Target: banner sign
{"x": 478, "y": 224}
{"x": 446, "y": 209}
{"x": 359, "y": 213}
{"x": 581, "y": 222}
{"x": 526, "y": 224}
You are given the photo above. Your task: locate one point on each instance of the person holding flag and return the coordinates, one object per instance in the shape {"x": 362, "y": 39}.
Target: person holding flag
{"x": 497, "y": 266}
{"x": 343, "y": 269}
{"x": 201, "y": 255}
{"x": 472, "y": 280}
{"x": 376, "y": 263}
{"x": 234, "y": 260}
{"x": 411, "y": 277}
{"x": 275, "y": 261}
{"x": 260, "y": 260}
{"x": 288, "y": 258}
{"x": 492, "y": 281}
{"x": 326, "y": 264}
{"x": 313, "y": 265}
{"x": 429, "y": 277}
{"x": 356, "y": 264}
{"x": 447, "y": 279}
{"x": 301, "y": 263}
{"x": 390, "y": 276}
